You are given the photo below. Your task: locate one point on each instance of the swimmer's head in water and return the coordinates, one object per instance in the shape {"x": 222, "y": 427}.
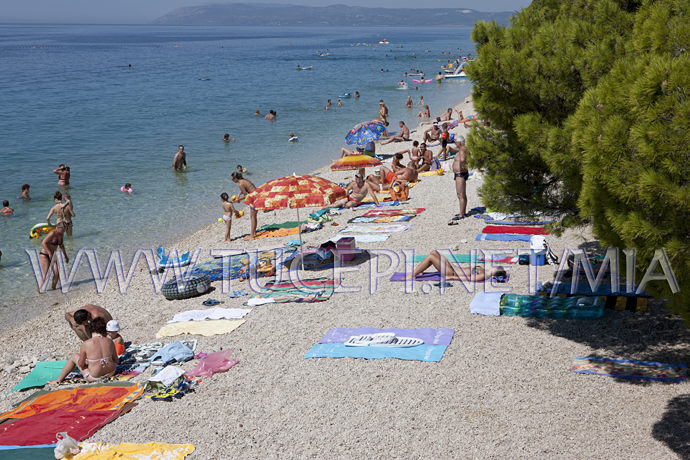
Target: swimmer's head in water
{"x": 80, "y": 316}
{"x": 5, "y": 203}
{"x": 226, "y": 136}
{"x": 58, "y": 196}
{"x": 292, "y": 134}
{"x": 224, "y": 196}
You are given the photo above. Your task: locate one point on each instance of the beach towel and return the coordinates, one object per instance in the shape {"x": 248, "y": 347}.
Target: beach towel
{"x": 436, "y": 172}
{"x": 93, "y": 398}
{"x": 431, "y": 351}
{"x": 211, "y": 313}
{"x": 501, "y": 237}
{"x": 365, "y": 238}
{"x": 41, "y": 428}
{"x": 392, "y": 228}
{"x": 37, "y": 452}
{"x": 486, "y": 303}
{"x": 379, "y": 220}
{"x": 369, "y": 203}
{"x": 288, "y": 224}
{"x": 213, "y": 363}
{"x": 205, "y": 328}
{"x": 629, "y": 369}
{"x": 436, "y": 276}
{"x": 151, "y": 450}
{"x": 470, "y": 258}
{"x": 273, "y": 233}
{"x": 516, "y": 230}
{"x": 309, "y": 291}
{"x": 39, "y": 375}
{"x": 552, "y": 307}
{"x": 510, "y": 222}
{"x": 393, "y": 212}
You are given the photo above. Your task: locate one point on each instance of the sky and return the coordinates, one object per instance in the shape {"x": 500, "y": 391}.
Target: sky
{"x": 144, "y": 11}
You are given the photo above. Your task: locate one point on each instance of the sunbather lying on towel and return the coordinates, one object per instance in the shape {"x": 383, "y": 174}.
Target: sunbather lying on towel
{"x": 356, "y": 190}
{"x": 388, "y": 178}
{"x": 442, "y": 264}
{"x": 97, "y": 357}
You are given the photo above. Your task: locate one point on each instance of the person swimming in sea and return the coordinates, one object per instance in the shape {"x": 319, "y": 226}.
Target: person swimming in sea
{"x": 25, "y": 192}
{"x": 6, "y": 211}
{"x": 226, "y": 138}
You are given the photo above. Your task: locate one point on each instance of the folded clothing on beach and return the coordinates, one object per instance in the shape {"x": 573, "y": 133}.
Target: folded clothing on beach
{"x": 392, "y": 228}
{"x": 518, "y": 230}
{"x": 393, "y": 212}
{"x": 314, "y": 290}
{"x": 40, "y": 374}
{"x": 206, "y": 328}
{"x": 151, "y": 450}
{"x": 629, "y": 369}
{"x": 211, "y": 313}
{"x": 332, "y": 345}
{"x": 501, "y": 237}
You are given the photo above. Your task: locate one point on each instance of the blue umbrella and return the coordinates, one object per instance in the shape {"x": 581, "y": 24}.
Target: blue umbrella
{"x": 365, "y": 132}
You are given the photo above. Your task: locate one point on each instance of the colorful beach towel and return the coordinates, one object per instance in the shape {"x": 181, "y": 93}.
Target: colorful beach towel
{"x": 629, "y": 369}
{"x": 365, "y": 238}
{"x": 435, "y": 343}
{"x": 151, "y": 450}
{"x": 501, "y": 237}
{"x": 379, "y": 220}
{"x": 273, "y": 233}
{"x": 516, "y": 230}
{"x": 392, "y": 228}
{"x": 39, "y": 375}
{"x": 211, "y": 313}
{"x": 205, "y": 328}
{"x": 393, "y": 212}
{"x": 314, "y": 290}
{"x": 288, "y": 224}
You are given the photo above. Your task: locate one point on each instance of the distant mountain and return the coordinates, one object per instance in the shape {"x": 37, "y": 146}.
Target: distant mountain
{"x": 266, "y": 14}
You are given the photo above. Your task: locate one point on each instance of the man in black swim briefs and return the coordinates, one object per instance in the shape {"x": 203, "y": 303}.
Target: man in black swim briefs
{"x": 460, "y": 176}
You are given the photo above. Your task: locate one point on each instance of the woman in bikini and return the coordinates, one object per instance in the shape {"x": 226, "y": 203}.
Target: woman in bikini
{"x": 97, "y": 358}
{"x": 68, "y": 213}
{"x": 443, "y": 265}
{"x": 63, "y": 175}
{"x": 50, "y": 244}
{"x": 228, "y": 211}
{"x": 58, "y": 209}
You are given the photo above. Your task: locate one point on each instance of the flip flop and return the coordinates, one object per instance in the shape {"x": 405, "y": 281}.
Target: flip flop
{"x": 402, "y": 342}
{"x": 365, "y": 340}
{"x": 211, "y": 302}
{"x": 453, "y": 222}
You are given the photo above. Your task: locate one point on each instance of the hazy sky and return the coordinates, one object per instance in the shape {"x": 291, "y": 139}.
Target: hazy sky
{"x": 142, "y": 11}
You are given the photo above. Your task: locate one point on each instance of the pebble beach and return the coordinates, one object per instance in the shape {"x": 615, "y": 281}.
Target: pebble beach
{"x": 502, "y": 389}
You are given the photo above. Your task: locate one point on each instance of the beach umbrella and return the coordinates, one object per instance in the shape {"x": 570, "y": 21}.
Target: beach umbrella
{"x": 295, "y": 192}
{"x": 352, "y": 162}
{"x": 363, "y": 133}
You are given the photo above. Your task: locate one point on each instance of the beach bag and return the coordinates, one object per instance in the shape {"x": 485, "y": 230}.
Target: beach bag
{"x": 399, "y": 192}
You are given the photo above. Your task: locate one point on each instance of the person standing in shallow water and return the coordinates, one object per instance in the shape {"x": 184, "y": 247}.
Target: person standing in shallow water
{"x": 180, "y": 159}
{"x": 246, "y": 187}
{"x": 63, "y": 173}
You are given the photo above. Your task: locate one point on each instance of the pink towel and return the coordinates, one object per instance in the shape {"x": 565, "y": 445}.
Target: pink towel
{"x": 515, "y": 230}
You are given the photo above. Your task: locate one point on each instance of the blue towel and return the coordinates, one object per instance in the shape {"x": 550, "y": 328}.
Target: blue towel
{"x": 501, "y": 237}
{"x": 429, "y": 353}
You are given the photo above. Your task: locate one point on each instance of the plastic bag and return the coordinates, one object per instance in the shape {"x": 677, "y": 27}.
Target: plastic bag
{"x": 213, "y": 363}
{"x": 66, "y": 445}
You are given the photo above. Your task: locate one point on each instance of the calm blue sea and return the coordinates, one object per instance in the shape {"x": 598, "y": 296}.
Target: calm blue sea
{"x": 114, "y": 102}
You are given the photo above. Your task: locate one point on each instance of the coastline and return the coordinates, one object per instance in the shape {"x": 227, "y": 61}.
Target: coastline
{"x": 275, "y": 402}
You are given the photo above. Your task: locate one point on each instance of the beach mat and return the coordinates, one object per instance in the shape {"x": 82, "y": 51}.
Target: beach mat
{"x": 205, "y": 328}
{"x": 273, "y": 233}
{"x": 393, "y": 212}
{"x": 379, "y": 220}
{"x": 501, "y": 237}
{"x": 428, "y": 353}
{"x": 629, "y": 369}
{"x": 211, "y": 313}
{"x": 614, "y": 301}
{"x": 428, "y": 335}
{"x": 515, "y": 229}
{"x": 470, "y": 258}
{"x": 428, "y": 276}
{"x": 365, "y": 238}
{"x": 39, "y": 375}
{"x": 307, "y": 291}
{"x": 37, "y": 452}
{"x": 392, "y": 228}
{"x": 288, "y": 224}
{"x": 151, "y": 450}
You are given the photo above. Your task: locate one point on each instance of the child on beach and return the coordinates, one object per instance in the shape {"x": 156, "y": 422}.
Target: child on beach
{"x": 127, "y": 188}
{"x": 113, "y": 330}
{"x": 228, "y": 211}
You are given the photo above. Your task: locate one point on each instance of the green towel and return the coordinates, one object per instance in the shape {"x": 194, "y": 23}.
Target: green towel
{"x": 44, "y": 371}
{"x": 289, "y": 224}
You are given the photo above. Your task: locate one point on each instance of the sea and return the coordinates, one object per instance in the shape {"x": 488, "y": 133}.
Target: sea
{"x": 114, "y": 102}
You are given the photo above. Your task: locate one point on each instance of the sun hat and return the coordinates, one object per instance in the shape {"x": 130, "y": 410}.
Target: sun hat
{"x": 112, "y": 326}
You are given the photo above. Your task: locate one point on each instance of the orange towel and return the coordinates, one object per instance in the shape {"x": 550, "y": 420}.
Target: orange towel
{"x": 274, "y": 233}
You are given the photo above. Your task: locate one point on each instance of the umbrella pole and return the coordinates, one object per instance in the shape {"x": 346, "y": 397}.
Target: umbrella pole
{"x": 299, "y": 231}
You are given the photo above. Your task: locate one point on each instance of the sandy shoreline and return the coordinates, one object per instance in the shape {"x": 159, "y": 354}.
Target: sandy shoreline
{"x": 502, "y": 389}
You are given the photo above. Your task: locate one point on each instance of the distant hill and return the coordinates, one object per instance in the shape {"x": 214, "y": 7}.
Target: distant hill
{"x": 266, "y": 14}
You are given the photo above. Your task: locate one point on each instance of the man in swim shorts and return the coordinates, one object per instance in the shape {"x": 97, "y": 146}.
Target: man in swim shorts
{"x": 356, "y": 190}
{"x": 246, "y": 187}
{"x": 432, "y": 134}
{"x": 403, "y": 136}
{"x": 80, "y": 320}
{"x": 427, "y": 157}
{"x": 180, "y": 159}
{"x": 460, "y": 175}
{"x": 97, "y": 358}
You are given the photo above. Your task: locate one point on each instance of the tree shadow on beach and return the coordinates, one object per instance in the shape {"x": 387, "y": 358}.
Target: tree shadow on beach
{"x": 654, "y": 335}
{"x": 674, "y": 426}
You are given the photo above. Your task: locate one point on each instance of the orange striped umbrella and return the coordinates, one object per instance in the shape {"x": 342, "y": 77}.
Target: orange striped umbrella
{"x": 351, "y": 162}
{"x": 294, "y": 192}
